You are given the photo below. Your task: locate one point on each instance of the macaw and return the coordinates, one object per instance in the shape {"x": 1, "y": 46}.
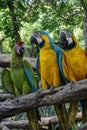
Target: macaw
{"x": 76, "y": 62}
{"x": 24, "y": 80}
{"x": 48, "y": 68}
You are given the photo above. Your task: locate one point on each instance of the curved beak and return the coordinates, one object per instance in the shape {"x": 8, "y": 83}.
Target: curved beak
{"x": 36, "y": 38}
{"x": 65, "y": 35}
{"x": 23, "y": 48}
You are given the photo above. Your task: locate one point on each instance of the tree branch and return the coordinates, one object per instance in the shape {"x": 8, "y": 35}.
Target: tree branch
{"x": 83, "y": 127}
{"x": 4, "y": 97}
{"x": 45, "y": 121}
{"x": 2, "y": 127}
{"x": 68, "y": 93}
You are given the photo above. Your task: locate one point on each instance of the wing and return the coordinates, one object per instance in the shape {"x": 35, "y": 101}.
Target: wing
{"x": 59, "y": 54}
{"x": 7, "y": 83}
{"x": 30, "y": 76}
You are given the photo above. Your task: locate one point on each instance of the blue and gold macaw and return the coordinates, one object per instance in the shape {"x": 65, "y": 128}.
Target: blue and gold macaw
{"x": 24, "y": 80}
{"x": 76, "y": 62}
{"x": 48, "y": 68}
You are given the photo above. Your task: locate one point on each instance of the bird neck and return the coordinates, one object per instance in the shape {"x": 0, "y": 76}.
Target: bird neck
{"x": 15, "y": 58}
{"x": 47, "y": 44}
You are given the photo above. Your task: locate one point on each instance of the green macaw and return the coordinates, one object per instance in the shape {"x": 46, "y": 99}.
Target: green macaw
{"x": 48, "y": 69}
{"x": 77, "y": 58}
{"x": 24, "y": 80}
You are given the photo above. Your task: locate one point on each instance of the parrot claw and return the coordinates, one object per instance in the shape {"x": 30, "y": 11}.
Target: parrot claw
{"x": 51, "y": 89}
{"x": 72, "y": 83}
{"x": 41, "y": 92}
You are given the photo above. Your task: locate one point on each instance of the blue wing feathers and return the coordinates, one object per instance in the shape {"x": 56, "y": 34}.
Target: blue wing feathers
{"x": 30, "y": 76}
{"x": 59, "y": 53}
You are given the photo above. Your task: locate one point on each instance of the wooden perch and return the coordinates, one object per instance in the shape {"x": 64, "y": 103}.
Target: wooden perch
{"x": 45, "y": 121}
{"x": 68, "y": 93}
{"x": 5, "y": 60}
{"x": 83, "y": 127}
{"x": 3, "y": 97}
{"x": 4, "y": 127}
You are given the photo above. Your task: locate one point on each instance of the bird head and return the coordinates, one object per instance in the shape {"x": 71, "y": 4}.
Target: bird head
{"x": 37, "y": 39}
{"x": 66, "y": 40}
{"x": 42, "y": 38}
{"x": 20, "y": 48}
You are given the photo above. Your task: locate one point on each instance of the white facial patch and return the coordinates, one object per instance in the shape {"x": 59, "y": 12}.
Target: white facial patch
{"x": 68, "y": 36}
{"x": 17, "y": 48}
{"x": 70, "y": 40}
{"x": 39, "y": 40}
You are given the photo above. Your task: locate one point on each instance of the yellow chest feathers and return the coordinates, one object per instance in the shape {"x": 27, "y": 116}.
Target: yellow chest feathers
{"x": 49, "y": 69}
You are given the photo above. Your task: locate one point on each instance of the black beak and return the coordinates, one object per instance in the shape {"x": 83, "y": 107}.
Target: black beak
{"x": 62, "y": 37}
{"x": 33, "y": 40}
{"x": 21, "y": 51}
{"x": 63, "y": 41}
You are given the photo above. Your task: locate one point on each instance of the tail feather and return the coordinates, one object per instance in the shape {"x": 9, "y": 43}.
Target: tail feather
{"x": 84, "y": 110}
{"x": 62, "y": 115}
{"x": 33, "y": 120}
{"x": 73, "y": 109}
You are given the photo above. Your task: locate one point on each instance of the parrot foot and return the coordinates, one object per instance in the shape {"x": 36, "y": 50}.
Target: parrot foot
{"x": 38, "y": 93}
{"x": 72, "y": 83}
{"x": 51, "y": 89}
{"x": 41, "y": 92}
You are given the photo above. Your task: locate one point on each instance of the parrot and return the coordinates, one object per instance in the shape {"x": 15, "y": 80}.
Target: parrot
{"x": 77, "y": 58}
{"x": 24, "y": 80}
{"x": 47, "y": 66}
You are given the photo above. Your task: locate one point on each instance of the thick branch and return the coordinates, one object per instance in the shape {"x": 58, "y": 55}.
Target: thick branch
{"x": 45, "y": 121}
{"x": 68, "y": 93}
{"x": 4, "y": 97}
{"x": 5, "y": 60}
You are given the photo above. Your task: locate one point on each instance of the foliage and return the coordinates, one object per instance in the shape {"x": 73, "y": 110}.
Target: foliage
{"x": 25, "y": 16}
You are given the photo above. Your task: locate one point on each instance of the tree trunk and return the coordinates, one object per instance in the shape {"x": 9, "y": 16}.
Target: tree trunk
{"x": 14, "y": 21}
{"x": 84, "y": 5}
{"x": 85, "y": 30}
{"x": 1, "y": 40}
